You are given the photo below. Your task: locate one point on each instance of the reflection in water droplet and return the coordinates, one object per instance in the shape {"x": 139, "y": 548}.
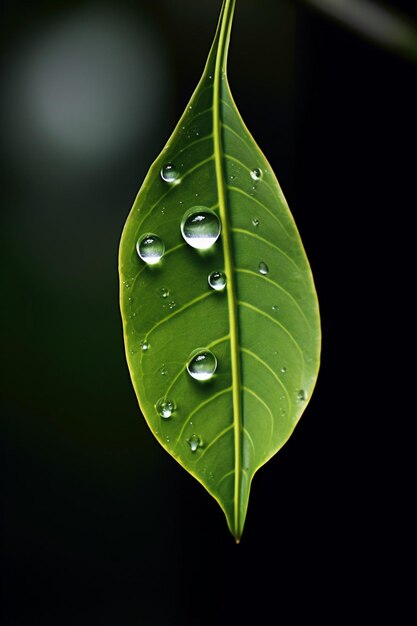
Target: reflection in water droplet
{"x": 263, "y": 268}
{"x": 301, "y": 395}
{"x": 217, "y": 280}
{"x": 163, "y": 292}
{"x": 200, "y": 227}
{"x": 202, "y": 364}
{"x": 256, "y": 173}
{"x": 144, "y": 345}
{"x": 165, "y": 408}
{"x": 194, "y": 442}
{"x": 169, "y": 173}
{"x": 150, "y": 248}
{"x": 255, "y": 221}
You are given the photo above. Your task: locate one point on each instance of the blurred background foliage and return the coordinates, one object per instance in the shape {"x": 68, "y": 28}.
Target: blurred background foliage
{"x": 100, "y": 525}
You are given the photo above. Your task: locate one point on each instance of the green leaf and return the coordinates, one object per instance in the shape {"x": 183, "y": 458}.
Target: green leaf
{"x": 263, "y": 328}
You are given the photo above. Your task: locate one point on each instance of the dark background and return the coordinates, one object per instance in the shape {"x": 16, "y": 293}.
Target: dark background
{"x": 100, "y": 525}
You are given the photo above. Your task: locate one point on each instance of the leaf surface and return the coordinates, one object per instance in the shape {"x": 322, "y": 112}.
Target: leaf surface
{"x": 263, "y": 328}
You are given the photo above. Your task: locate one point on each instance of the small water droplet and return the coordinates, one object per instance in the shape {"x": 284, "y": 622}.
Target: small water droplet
{"x": 202, "y": 364}
{"x": 172, "y": 304}
{"x": 144, "y": 345}
{"x": 194, "y": 442}
{"x": 256, "y": 173}
{"x": 163, "y": 371}
{"x": 283, "y": 370}
{"x": 255, "y": 222}
{"x": 232, "y": 177}
{"x": 282, "y": 412}
{"x": 275, "y": 307}
{"x": 169, "y": 173}
{"x": 200, "y": 227}
{"x": 165, "y": 408}
{"x": 163, "y": 292}
{"x": 217, "y": 280}
{"x": 263, "y": 268}
{"x": 301, "y": 395}
{"x": 150, "y": 248}
{"x": 127, "y": 285}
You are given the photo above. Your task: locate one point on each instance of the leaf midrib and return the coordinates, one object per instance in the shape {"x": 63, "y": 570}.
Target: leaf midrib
{"x": 232, "y": 300}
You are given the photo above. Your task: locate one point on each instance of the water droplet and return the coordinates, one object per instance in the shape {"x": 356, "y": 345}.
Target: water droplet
{"x": 172, "y": 304}
{"x": 263, "y": 268}
{"x": 163, "y": 371}
{"x": 165, "y": 408}
{"x": 301, "y": 395}
{"x": 283, "y": 370}
{"x": 150, "y": 248}
{"x": 163, "y": 292}
{"x": 169, "y": 173}
{"x": 127, "y": 285}
{"x": 255, "y": 222}
{"x": 200, "y": 227}
{"x": 275, "y": 307}
{"x": 232, "y": 177}
{"x": 194, "y": 442}
{"x": 144, "y": 345}
{"x": 202, "y": 364}
{"x": 217, "y": 280}
{"x": 256, "y": 173}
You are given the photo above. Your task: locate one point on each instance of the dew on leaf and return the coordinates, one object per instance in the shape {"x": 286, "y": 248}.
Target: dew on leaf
{"x": 202, "y": 364}
{"x": 150, "y": 248}
{"x": 163, "y": 292}
{"x": 263, "y": 268}
{"x": 194, "y": 442}
{"x": 200, "y": 227}
{"x": 169, "y": 173}
{"x": 217, "y": 280}
{"x": 256, "y": 173}
{"x": 165, "y": 408}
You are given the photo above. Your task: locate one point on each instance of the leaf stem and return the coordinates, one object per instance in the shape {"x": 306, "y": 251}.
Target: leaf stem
{"x": 219, "y": 82}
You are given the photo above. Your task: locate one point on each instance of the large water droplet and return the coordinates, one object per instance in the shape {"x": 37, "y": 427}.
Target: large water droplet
{"x": 202, "y": 364}
{"x": 194, "y": 442}
{"x": 263, "y": 268}
{"x": 144, "y": 345}
{"x": 200, "y": 227}
{"x": 256, "y": 173}
{"x": 169, "y": 173}
{"x": 163, "y": 292}
{"x": 217, "y": 280}
{"x": 150, "y": 248}
{"x": 165, "y": 408}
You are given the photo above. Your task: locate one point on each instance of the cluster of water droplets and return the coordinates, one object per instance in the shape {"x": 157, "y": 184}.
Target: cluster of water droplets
{"x": 200, "y": 228}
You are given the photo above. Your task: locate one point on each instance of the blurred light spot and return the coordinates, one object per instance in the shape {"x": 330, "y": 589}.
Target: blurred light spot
{"x": 374, "y": 21}
{"x": 88, "y": 88}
